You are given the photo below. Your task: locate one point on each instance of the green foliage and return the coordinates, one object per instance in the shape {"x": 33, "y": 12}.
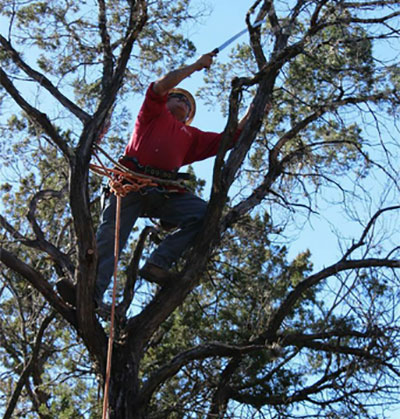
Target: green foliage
{"x": 233, "y": 305}
{"x": 50, "y": 384}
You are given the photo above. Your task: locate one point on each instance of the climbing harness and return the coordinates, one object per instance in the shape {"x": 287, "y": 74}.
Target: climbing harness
{"x": 125, "y": 179}
{"x": 132, "y": 162}
{"x": 122, "y": 181}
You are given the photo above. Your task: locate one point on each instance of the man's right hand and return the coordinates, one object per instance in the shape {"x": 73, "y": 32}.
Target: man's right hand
{"x": 205, "y": 61}
{"x": 163, "y": 85}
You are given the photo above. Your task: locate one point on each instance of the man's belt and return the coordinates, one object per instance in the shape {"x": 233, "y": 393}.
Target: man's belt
{"x": 153, "y": 171}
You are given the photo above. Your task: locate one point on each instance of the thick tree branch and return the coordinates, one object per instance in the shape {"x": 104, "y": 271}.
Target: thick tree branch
{"x": 79, "y": 199}
{"x": 133, "y": 271}
{"x": 263, "y": 342}
{"x": 39, "y": 283}
{"x": 218, "y": 188}
{"x": 255, "y": 36}
{"x": 201, "y": 352}
{"x": 105, "y": 43}
{"x": 223, "y": 393}
{"x": 317, "y": 341}
{"x": 338, "y": 349}
{"x": 317, "y": 11}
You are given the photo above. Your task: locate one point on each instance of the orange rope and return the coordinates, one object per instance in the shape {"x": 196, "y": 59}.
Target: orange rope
{"x": 111, "y": 337}
{"x": 117, "y": 178}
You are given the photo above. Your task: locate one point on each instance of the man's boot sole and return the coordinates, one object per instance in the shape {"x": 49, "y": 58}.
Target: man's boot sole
{"x": 162, "y": 281}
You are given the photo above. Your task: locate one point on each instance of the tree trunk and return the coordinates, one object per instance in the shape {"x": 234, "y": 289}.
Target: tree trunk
{"x": 124, "y": 385}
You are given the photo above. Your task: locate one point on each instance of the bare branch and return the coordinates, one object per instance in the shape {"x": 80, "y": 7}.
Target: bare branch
{"x": 43, "y": 81}
{"x": 343, "y": 265}
{"x": 370, "y": 20}
{"x": 276, "y": 167}
{"x": 40, "y": 243}
{"x": 368, "y": 227}
{"x": 28, "y": 368}
{"x": 37, "y": 117}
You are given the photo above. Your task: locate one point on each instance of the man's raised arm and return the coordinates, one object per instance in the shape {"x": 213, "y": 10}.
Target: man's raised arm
{"x": 163, "y": 85}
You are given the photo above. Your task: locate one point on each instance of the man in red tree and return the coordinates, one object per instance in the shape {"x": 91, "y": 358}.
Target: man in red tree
{"x": 162, "y": 141}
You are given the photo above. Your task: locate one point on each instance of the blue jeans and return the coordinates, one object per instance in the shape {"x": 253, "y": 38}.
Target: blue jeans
{"x": 184, "y": 210}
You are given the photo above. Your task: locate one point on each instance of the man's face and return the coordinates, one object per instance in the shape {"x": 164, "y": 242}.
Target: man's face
{"x": 179, "y": 105}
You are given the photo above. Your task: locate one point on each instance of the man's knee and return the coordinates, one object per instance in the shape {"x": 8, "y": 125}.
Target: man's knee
{"x": 199, "y": 212}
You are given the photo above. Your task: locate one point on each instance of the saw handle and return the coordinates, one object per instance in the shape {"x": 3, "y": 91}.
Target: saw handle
{"x": 215, "y": 51}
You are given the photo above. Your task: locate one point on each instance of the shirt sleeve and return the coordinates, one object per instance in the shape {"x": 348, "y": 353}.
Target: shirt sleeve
{"x": 206, "y": 144}
{"x": 152, "y": 106}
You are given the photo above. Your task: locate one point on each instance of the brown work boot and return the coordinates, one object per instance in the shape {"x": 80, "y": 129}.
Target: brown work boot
{"x": 67, "y": 291}
{"x": 154, "y": 273}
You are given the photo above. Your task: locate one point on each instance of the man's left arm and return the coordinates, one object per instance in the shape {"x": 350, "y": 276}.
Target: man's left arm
{"x": 206, "y": 144}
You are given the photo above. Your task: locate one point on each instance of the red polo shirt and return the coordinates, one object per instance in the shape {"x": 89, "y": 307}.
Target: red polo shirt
{"x": 159, "y": 140}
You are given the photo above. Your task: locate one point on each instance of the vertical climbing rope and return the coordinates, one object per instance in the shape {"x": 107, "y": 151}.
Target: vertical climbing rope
{"x": 111, "y": 336}
{"x": 121, "y": 181}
